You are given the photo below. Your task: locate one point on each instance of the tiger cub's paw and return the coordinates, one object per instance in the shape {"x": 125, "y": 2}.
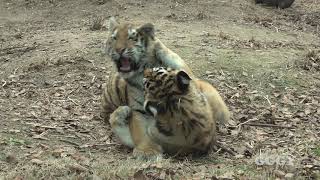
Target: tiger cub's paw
{"x": 150, "y": 154}
{"x": 120, "y": 116}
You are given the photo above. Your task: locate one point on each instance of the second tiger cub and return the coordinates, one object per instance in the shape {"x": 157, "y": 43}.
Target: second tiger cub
{"x": 186, "y": 110}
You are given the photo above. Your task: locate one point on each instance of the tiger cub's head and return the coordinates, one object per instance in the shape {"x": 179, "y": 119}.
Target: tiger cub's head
{"x": 162, "y": 86}
{"x": 126, "y": 45}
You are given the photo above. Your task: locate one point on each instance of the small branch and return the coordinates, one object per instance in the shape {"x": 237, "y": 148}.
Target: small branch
{"x": 233, "y": 88}
{"x": 4, "y": 83}
{"x": 250, "y": 120}
{"x": 225, "y": 149}
{"x": 70, "y": 142}
{"x": 49, "y": 127}
{"x": 93, "y": 80}
{"x": 73, "y": 90}
{"x": 268, "y": 125}
{"x": 73, "y": 101}
{"x": 267, "y": 98}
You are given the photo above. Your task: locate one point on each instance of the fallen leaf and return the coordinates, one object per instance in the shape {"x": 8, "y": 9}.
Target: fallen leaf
{"x": 289, "y": 175}
{"x": 36, "y": 161}
{"x": 272, "y": 86}
{"x": 234, "y": 132}
{"x": 227, "y": 175}
{"x": 14, "y": 131}
{"x": 95, "y": 177}
{"x": 77, "y": 168}
{"x": 279, "y": 174}
{"x": 245, "y": 73}
{"x": 40, "y": 137}
{"x": 139, "y": 175}
{"x": 239, "y": 156}
{"x": 18, "y": 178}
{"x": 35, "y": 154}
{"x": 57, "y": 152}
{"x": 10, "y": 158}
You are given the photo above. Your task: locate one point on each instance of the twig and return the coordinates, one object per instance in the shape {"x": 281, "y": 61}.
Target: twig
{"x": 250, "y": 120}
{"x": 190, "y": 167}
{"x": 225, "y": 149}
{"x": 267, "y": 98}
{"x": 49, "y": 127}
{"x": 4, "y": 83}
{"x": 233, "y": 88}
{"x": 107, "y": 144}
{"x": 70, "y": 142}
{"x": 40, "y": 136}
{"x": 73, "y": 90}
{"x": 15, "y": 71}
{"x": 268, "y": 125}
{"x": 42, "y": 126}
{"x": 93, "y": 79}
{"x": 73, "y": 101}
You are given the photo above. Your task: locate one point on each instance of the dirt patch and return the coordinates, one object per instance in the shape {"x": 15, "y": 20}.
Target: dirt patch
{"x": 52, "y": 67}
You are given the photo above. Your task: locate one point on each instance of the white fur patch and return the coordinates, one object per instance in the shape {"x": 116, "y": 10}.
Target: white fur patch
{"x": 114, "y": 34}
{"x": 132, "y": 32}
{"x": 153, "y": 110}
{"x": 124, "y": 135}
{"x": 159, "y": 69}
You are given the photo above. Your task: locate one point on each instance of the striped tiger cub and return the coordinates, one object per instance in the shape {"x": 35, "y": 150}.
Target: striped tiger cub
{"x": 185, "y": 110}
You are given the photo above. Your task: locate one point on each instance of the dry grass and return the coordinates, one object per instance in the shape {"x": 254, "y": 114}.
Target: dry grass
{"x": 311, "y": 62}
{"x": 52, "y": 68}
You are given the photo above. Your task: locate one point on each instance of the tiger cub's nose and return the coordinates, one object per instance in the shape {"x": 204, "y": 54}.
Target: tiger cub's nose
{"x": 120, "y": 50}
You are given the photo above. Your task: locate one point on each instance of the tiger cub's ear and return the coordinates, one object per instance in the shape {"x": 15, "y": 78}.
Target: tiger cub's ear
{"x": 183, "y": 80}
{"x": 112, "y": 23}
{"x": 147, "y": 30}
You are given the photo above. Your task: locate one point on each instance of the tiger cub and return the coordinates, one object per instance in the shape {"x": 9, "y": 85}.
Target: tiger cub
{"x": 185, "y": 111}
{"x": 131, "y": 49}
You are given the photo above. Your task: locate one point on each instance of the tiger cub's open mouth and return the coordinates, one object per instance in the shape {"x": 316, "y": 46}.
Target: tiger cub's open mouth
{"x": 126, "y": 65}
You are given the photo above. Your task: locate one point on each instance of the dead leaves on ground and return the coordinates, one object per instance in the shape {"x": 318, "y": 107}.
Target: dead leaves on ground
{"x": 311, "y": 61}
{"x": 287, "y": 120}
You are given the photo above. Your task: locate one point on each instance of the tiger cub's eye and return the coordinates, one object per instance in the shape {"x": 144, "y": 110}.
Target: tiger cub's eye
{"x": 133, "y": 38}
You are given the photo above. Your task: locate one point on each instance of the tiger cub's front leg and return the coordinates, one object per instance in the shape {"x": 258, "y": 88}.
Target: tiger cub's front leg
{"x": 145, "y": 147}
{"x": 130, "y": 127}
{"x": 119, "y": 121}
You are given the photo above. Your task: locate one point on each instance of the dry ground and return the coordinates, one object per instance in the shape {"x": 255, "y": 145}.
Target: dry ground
{"x": 264, "y": 61}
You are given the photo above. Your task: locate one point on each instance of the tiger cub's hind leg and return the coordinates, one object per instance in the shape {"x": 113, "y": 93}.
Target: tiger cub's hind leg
{"x": 119, "y": 121}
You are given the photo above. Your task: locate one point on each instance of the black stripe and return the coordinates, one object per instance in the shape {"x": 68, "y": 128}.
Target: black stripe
{"x": 191, "y": 124}
{"x": 163, "y": 130}
{"x": 140, "y": 111}
{"x": 184, "y": 112}
{"x": 168, "y": 87}
{"x": 164, "y": 76}
{"x": 186, "y": 129}
{"x": 188, "y": 100}
{"x": 159, "y": 73}
{"x": 196, "y": 123}
{"x": 145, "y": 39}
{"x": 108, "y": 86}
{"x": 197, "y": 115}
{"x": 196, "y": 140}
{"x": 170, "y": 109}
{"x": 118, "y": 90}
{"x": 126, "y": 95}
